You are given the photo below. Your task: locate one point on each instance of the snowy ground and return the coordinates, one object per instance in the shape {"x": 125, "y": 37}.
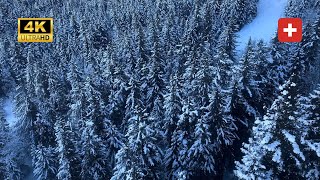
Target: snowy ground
{"x": 265, "y": 25}
{"x": 15, "y": 142}
{"x": 8, "y": 108}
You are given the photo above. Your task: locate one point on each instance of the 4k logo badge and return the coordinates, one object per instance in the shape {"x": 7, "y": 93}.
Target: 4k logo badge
{"x": 35, "y": 29}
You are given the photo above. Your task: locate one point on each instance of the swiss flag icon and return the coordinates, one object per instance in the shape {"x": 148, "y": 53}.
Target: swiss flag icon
{"x": 290, "y": 30}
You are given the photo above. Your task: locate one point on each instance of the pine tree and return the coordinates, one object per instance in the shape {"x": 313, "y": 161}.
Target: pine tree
{"x": 5, "y": 74}
{"x": 4, "y": 129}
{"x": 225, "y": 58}
{"x": 140, "y": 157}
{"x": 13, "y": 152}
{"x": 26, "y": 108}
{"x": 203, "y": 81}
{"x": 114, "y": 141}
{"x": 114, "y": 75}
{"x": 309, "y": 47}
{"x": 280, "y": 67}
{"x": 251, "y": 166}
{"x": 17, "y": 61}
{"x": 310, "y": 117}
{"x": 155, "y": 79}
{"x": 197, "y": 83}
{"x": 267, "y": 83}
{"x": 177, "y": 162}
{"x": 44, "y": 162}
{"x": 275, "y": 151}
{"x": 141, "y": 148}
{"x": 240, "y": 11}
{"x": 222, "y": 125}
{"x": 13, "y": 171}
{"x": 250, "y": 84}
{"x": 243, "y": 115}
{"x": 201, "y": 153}
{"x": 72, "y": 123}
{"x": 123, "y": 164}
{"x": 172, "y": 107}
{"x": 100, "y": 139}
{"x": 67, "y": 158}
{"x": 309, "y": 54}
{"x": 64, "y": 147}
{"x": 43, "y": 149}
{"x": 93, "y": 163}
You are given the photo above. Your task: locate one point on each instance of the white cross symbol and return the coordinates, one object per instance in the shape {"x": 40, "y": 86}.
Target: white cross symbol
{"x": 289, "y": 30}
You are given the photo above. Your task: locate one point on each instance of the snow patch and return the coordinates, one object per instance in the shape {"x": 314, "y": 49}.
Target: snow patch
{"x": 264, "y": 26}
{"x": 273, "y": 146}
{"x": 285, "y": 92}
{"x": 292, "y": 139}
{"x": 315, "y": 147}
{"x": 8, "y": 108}
{"x": 277, "y": 156}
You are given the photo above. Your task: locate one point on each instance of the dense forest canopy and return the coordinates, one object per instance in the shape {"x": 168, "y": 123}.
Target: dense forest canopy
{"x": 154, "y": 89}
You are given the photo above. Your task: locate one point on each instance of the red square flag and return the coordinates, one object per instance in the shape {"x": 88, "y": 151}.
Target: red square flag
{"x": 290, "y": 30}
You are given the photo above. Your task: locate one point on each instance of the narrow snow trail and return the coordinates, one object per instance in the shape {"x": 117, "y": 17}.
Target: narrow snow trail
{"x": 8, "y": 108}
{"x": 264, "y": 26}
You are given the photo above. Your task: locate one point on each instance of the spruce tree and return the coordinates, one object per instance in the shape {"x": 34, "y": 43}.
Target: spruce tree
{"x": 276, "y": 151}
{"x": 250, "y": 84}
{"x": 309, "y": 47}
{"x": 92, "y": 146}
{"x": 222, "y": 124}
{"x": 64, "y": 147}
{"x": 44, "y": 162}
{"x": 201, "y": 152}
{"x": 267, "y": 84}
{"x": 4, "y": 130}
{"x": 155, "y": 79}
{"x": 172, "y": 107}
{"x": 177, "y": 162}
{"x": 141, "y": 146}
{"x": 225, "y": 58}
{"x": 280, "y": 67}
{"x": 309, "y": 115}
{"x": 140, "y": 157}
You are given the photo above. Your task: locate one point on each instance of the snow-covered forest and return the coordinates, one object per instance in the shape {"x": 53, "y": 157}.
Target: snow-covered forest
{"x": 160, "y": 89}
